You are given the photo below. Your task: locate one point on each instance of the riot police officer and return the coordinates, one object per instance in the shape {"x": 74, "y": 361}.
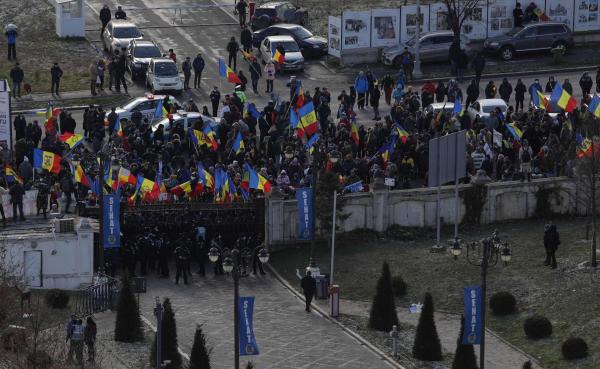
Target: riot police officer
{"x": 182, "y": 256}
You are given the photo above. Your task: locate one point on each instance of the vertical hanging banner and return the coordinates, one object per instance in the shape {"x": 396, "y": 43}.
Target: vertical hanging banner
{"x": 335, "y": 36}
{"x": 304, "y": 199}
{"x": 473, "y": 316}
{"x": 385, "y": 27}
{"x": 5, "y": 136}
{"x": 409, "y": 21}
{"x": 111, "y": 228}
{"x": 357, "y": 29}
{"x": 248, "y": 345}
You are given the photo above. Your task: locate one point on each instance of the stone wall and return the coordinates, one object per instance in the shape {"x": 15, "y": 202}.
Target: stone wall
{"x": 379, "y": 210}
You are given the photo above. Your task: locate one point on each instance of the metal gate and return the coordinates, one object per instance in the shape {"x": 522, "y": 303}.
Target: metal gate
{"x": 99, "y": 297}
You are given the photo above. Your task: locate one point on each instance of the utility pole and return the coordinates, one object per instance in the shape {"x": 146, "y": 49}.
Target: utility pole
{"x": 236, "y": 308}
{"x": 158, "y": 312}
{"x": 417, "y": 70}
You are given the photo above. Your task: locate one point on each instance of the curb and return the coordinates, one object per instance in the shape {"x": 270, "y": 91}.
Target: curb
{"x": 382, "y": 355}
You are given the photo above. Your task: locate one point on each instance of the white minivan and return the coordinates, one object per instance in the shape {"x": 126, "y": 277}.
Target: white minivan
{"x": 163, "y": 75}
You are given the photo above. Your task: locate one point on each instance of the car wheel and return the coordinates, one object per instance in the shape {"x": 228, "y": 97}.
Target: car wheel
{"x": 397, "y": 62}
{"x": 507, "y": 53}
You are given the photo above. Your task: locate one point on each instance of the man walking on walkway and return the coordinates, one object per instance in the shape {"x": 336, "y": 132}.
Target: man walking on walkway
{"x": 309, "y": 287}
{"x": 198, "y": 65}
{"x": 17, "y": 76}
{"x": 56, "y": 73}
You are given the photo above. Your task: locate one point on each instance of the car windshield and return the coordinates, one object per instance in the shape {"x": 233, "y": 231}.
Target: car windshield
{"x": 289, "y": 47}
{"x": 146, "y": 52}
{"x": 302, "y": 33}
{"x": 126, "y": 32}
{"x": 165, "y": 69}
{"x": 264, "y": 11}
{"x": 490, "y": 108}
{"x": 514, "y": 31}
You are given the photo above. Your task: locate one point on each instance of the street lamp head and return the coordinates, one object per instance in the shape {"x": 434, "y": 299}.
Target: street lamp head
{"x": 213, "y": 254}
{"x": 506, "y": 254}
{"x": 227, "y": 265}
{"x": 263, "y": 256}
{"x": 456, "y": 249}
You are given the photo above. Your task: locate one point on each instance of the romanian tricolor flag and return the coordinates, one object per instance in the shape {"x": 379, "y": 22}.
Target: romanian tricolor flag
{"x": 226, "y": 72}
{"x": 205, "y": 177}
{"x": 160, "y": 111}
{"x": 458, "y": 108}
{"x": 197, "y": 137}
{"x": 308, "y": 119}
{"x": 71, "y": 139}
{"x": 515, "y": 131}
{"x": 190, "y": 188}
{"x": 149, "y": 189}
{"x": 562, "y": 98}
{"x": 541, "y": 101}
{"x": 109, "y": 177}
{"x": 46, "y": 160}
{"x": 594, "y": 106}
{"x": 126, "y": 177}
{"x": 402, "y": 133}
{"x": 278, "y": 57}
{"x": 585, "y": 149}
{"x": 541, "y": 15}
{"x": 11, "y": 175}
{"x": 238, "y": 144}
{"x": 299, "y": 95}
{"x": 210, "y": 138}
{"x": 118, "y": 130}
{"x": 255, "y": 180}
{"x": 81, "y": 177}
{"x": 354, "y": 134}
{"x": 223, "y": 187}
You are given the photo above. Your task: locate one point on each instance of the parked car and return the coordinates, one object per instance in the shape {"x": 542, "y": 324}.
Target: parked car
{"x": 139, "y": 54}
{"x": 433, "y": 47}
{"x": 118, "y": 34}
{"x": 187, "y": 119}
{"x": 163, "y": 75}
{"x": 146, "y": 104}
{"x": 531, "y": 37}
{"x": 293, "y": 57}
{"x": 482, "y": 108}
{"x": 310, "y": 45}
{"x": 277, "y": 12}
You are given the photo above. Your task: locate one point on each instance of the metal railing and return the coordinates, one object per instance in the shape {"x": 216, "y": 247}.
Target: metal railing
{"x": 99, "y": 297}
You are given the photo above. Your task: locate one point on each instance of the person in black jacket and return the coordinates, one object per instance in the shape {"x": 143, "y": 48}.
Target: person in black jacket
{"x": 246, "y": 39}
{"x": 374, "y": 100}
{"x": 232, "y": 48}
{"x": 478, "y": 63}
{"x": 17, "y": 192}
{"x": 520, "y": 90}
{"x": 309, "y": 287}
{"x": 551, "y": 242}
{"x": 255, "y": 74}
{"x": 505, "y": 90}
{"x": 472, "y": 93}
{"x": 198, "y": 65}
{"x": 105, "y": 16}
{"x": 215, "y": 98}
{"x": 120, "y": 13}
{"x": 440, "y": 92}
{"x": 20, "y": 125}
{"x": 17, "y": 76}
{"x": 56, "y": 73}
{"x": 586, "y": 83}
{"x": 242, "y": 8}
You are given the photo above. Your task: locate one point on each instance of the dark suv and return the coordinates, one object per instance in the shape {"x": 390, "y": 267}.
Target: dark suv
{"x": 139, "y": 54}
{"x": 277, "y": 12}
{"x": 530, "y": 37}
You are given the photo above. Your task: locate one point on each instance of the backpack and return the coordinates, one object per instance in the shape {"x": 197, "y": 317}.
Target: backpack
{"x": 77, "y": 333}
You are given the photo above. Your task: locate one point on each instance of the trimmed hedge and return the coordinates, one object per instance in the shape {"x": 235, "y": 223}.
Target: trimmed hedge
{"x": 399, "y": 286}
{"x": 503, "y": 303}
{"x": 537, "y": 327}
{"x": 574, "y": 348}
{"x": 57, "y": 299}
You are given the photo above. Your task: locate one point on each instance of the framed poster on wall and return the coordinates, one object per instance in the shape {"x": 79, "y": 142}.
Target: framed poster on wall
{"x": 475, "y": 26}
{"x": 560, "y": 11}
{"x": 385, "y": 27}
{"x": 586, "y": 15}
{"x": 408, "y": 27}
{"x": 500, "y": 18}
{"x": 356, "y": 33}
{"x": 438, "y": 17}
{"x": 334, "y": 36}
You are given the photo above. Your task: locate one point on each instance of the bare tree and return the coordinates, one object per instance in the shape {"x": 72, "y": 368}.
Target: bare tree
{"x": 458, "y": 12}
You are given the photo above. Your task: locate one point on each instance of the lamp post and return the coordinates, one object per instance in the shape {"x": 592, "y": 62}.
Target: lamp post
{"x": 231, "y": 264}
{"x": 484, "y": 254}
{"x": 158, "y": 313}
{"x": 313, "y": 267}
{"x": 417, "y": 70}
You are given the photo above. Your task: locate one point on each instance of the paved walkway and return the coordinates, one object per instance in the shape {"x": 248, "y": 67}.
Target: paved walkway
{"x": 499, "y": 355}
{"x": 288, "y": 337}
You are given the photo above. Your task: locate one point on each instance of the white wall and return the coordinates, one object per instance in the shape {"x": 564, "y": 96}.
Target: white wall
{"x": 417, "y": 207}
{"x": 66, "y": 258}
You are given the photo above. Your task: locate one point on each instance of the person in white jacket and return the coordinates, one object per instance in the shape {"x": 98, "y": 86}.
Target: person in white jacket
{"x": 269, "y": 75}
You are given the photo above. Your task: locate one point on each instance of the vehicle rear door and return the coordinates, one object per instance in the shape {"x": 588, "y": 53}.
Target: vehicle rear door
{"x": 527, "y": 39}
{"x": 441, "y": 45}
{"x": 427, "y": 48}
{"x": 549, "y": 34}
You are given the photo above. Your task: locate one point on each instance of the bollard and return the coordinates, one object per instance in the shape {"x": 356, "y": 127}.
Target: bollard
{"x": 334, "y": 300}
{"x": 395, "y": 334}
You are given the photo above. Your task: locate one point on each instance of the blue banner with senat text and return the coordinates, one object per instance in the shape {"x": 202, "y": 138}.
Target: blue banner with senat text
{"x": 248, "y": 345}
{"x": 473, "y": 316}
{"x": 111, "y": 227}
{"x": 304, "y": 198}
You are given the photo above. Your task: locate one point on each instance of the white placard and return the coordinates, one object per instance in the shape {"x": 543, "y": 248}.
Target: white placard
{"x": 500, "y": 18}
{"x": 475, "y": 26}
{"x": 560, "y": 11}
{"x": 586, "y": 15}
{"x": 391, "y": 182}
{"x": 335, "y": 36}
{"x": 5, "y": 115}
{"x": 438, "y": 17}
{"x": 385, "y": 27}
{"x": 408, "y": 27}
{"x": 357, "y": 30}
